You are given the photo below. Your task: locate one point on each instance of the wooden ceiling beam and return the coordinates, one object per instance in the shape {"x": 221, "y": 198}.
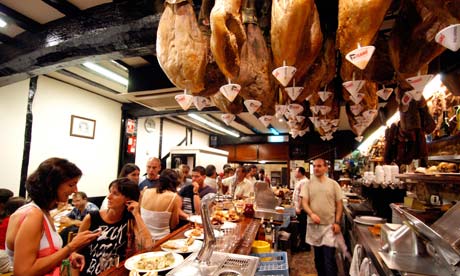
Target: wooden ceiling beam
{"x": 21, "y": 20}
{"x": 64, "y": 7}
{"x": 108, "y": 31}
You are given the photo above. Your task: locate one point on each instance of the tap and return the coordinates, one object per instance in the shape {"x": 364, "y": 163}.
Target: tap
{"x": 209, "y": 242}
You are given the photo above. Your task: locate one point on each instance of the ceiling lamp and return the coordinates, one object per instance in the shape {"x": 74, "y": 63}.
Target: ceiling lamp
{"x": 106, "y": 73}
{"x": 213, "y": 125}
{"x": 2, "y": 23}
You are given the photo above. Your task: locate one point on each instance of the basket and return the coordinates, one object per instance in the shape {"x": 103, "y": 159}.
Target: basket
{"x": 274, "y": 264}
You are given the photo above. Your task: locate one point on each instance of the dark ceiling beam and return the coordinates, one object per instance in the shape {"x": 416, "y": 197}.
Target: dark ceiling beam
{"x": 124, "y": 64}
{"x": 6, "y": 39}
{"x": 108, "y": 31}
{"x": 64, "y": 7}
{"x": 21, "y": 20}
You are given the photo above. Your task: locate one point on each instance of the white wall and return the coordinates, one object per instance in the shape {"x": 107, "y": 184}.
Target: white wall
{"x": 148, "y": 143}
{"x": 53, "y": 106}
{"x": 13, "y": 109}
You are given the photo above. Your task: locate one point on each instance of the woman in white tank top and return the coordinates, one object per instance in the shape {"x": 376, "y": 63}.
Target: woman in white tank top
{"x": 160, "y": 206}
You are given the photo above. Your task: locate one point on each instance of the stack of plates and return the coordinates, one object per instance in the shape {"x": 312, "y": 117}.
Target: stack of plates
{"x": 369, "y": 220}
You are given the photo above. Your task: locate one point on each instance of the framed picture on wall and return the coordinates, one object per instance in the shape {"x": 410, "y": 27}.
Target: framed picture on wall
{"x": 82, "y": 127}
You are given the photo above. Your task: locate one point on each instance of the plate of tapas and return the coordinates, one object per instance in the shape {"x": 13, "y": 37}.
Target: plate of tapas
{"x": 153, "y": 261}
{"x": 188, "y": 245}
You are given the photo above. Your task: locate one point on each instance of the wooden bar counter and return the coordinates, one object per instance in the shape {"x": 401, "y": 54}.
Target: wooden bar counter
{"x": 248, "y": 231}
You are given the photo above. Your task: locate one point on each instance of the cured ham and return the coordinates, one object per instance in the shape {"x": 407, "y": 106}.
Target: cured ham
{"x": 181, "y": 48}
{"x": 227, "y": 36}
{"x": 296, "y": 36}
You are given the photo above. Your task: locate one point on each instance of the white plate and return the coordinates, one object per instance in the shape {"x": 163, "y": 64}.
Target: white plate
{"x": 370, "y": 219}
{"x": 195, "y": 218}
{"x": 180, "y": 243}
{"x": 357, "y": 220}
{"x": 130, "y": 263}
{"x": 188, "y": 233}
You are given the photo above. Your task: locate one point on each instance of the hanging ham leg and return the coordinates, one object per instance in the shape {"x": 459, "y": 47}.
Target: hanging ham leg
{"x": 296, "y": 37}
{"x": 227, "y": 36}
{"x": 181, "y": 48}
{"x": 254, "y": 76}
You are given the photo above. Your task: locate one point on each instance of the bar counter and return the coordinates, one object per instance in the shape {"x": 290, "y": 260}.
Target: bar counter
{"x": 248, "y": 230}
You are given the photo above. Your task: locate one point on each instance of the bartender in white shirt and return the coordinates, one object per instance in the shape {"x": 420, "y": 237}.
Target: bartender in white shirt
{"x": 240, "y": 187}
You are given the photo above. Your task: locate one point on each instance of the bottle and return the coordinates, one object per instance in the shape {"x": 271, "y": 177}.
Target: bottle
{"x": 269, "y": 232}
{"x": 457, "y": 116}
{"x": 65, "y": 268}
{"x": 261, "y": 232}
{"x": 444, "y": 129}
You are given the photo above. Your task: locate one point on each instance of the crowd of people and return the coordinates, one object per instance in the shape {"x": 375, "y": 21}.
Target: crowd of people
{"x": 138, "y": 211}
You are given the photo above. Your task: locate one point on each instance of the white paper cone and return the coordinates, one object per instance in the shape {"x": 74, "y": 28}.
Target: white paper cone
{"x": 230, "y": 91}
{"x": 303, "y": 131}
{"x": 359, "y": 138}
{"x": 357, "y": 98}
{"x": 228, "y": 118}
{"x": 300, "y": 119}
{"x": 324, "y": 95}
{"x": 370, "y": 114}
{"x": 184, "y": 100}
{"x": 201, "y": 102}
{"x": 335, "y": 122}
{"x": 292, "y": 123}
{"x": 416, "y": 94}
{"x": 449, "y": 37}
{"x": 295, "y": 109}
{"x": 323, "y": 138}
{"x": 406, "y": 98}
{"x": 360, "y": 57}
{"x": 385, "y": 93}
{"x": 329, "y": 136}
{"x": 252, "y": 105}
{"x": 356, "y": 109}
{"x": 326, "y": 128}
{"x": 324, "y": 109}
{"x": 419, "y": 82}
{"x": 280, "y": 109}
{"x": 284, "y": 74}
{"x": 315, "y": 109}
{"x": 293, "y": 92}
{"x": 325, "y": 122}
{"x": 315, "y": 121}
{"x": 266, "y": 120}
{"x": 353, "y": 87}
{"x": 294, "y": 133}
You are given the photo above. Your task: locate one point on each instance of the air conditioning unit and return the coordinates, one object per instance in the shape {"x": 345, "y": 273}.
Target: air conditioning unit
{"x": 158, "y": 100}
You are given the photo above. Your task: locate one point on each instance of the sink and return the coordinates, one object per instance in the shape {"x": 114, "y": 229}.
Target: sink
{"x": 220, "y": 264}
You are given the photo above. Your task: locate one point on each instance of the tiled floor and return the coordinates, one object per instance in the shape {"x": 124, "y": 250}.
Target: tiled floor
{"x": 303, "y": 264}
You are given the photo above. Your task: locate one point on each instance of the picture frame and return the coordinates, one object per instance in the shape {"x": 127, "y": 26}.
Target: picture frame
{"x": 82, "y": 127}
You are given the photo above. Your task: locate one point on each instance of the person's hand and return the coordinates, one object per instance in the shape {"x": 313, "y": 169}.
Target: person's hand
{"x": 196, "y": 187}
{"x": 82, "y": 239}
{"x": 65, "y": 220}
{"x": 336, "y": 228}
{"x": 133, "y": 206}
{"x": 77, "y": 261}
{"x": 315, "y": 218}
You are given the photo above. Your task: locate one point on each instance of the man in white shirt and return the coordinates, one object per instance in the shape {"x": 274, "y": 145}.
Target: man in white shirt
{"x": 211, "y": 176}
{"x": 322, "y": 200}
{"x": 252, "y": 173}
{"x": 239, "y": 186}
{"x": 301, "y": 214}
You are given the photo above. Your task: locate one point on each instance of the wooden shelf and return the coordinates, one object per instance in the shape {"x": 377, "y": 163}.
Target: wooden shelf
{"x": 441, "y": 178}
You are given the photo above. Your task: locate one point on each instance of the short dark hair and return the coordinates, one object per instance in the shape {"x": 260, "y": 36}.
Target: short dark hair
{"x": 200, "y": 169}
{"x": 5, "y": 194}
{"x": 169, "y": 179}
{"x": 229, "y": 169}
{"x": 226, "y": 166}
{"x": 43, "y": 183}
{"x": 126, "y": 187}
{"x": 210, "y": 170}
{"x": 301, "y": 170}
{"x": 81, "y": 194}
{"x": 13, "y": 204}
{"x": 252, "y": 166}
{"x": 127, "y": 169}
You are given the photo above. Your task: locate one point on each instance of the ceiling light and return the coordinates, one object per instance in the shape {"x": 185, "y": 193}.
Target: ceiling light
{"x": 274, "y": 131}
{"x": 2, "y": 23}
{"x": 107, "y": 73}
{"x": 213, "y": 125}
{"x": 432, "y": 86}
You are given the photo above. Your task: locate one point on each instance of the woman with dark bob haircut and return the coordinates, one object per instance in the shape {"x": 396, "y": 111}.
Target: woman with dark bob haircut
{"x": 121, "y": 226}
{"x": 31, "y": 237}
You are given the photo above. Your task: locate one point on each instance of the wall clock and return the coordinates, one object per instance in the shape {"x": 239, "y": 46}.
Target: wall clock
{"x": 149, "y": 125}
